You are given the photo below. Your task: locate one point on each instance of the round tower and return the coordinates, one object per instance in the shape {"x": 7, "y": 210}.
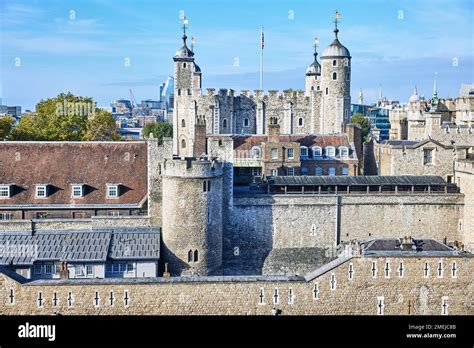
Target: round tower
{"x": 335, "y": 85}
{"x": 192, "y": 216}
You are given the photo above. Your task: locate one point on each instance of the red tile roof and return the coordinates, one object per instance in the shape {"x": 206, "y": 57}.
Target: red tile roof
{"x": 60, "y": 164}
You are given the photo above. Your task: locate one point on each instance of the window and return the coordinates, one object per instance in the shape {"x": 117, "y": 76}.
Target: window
{"x": 290, "y": 171}
{"x": 115, "y": 267}
{"x": 304, "y": 151}
{"x": 113, "y": 213}
{"x": 48, "y": 268}
{"x": 317, "y": 151}
{"x": 224, "y": 124}
{"x": 183, "y": 123}
{"x": 189, "y": 92}
{"x": 208, "y": 185}
{"x": 330, "y": 151}
{"x": 334, "y": 62}
{"x": 274, "y": 153}
{"x": 179, "y": 91}
{"x": 196, "y": 256}
{"x": 6, "y": 216}
{"x": 332, "y": 171}
{"x": 41, "y": 215}
{"x": 130, "y": 267}
{"x": 334, "y": 75}
{"x": 274, "y": 172}
{"x": 79, "y": 270}
{"x": 193, "y": 256}
{"x": 291, "y": 153}
{"x": 343, "y": 152}
{"x": 427, "y": 156}
{"x": 41, "y": 191}
{"x": 89, "y": 270}
{"x": 300, "y": 122}
{"x": 319, "y": 171}
{"x": 256, "y": 171}
{"x": 184, "y": 65}
{"x": 204, "y": 186}
{"x": 256, "y": 152}
{"x": 304, "y": 171}
{"x": 4, "y": 191}
{"x": 108, "y": 268}
{"x": 246, "y": 122}
{"x": 327, "y": 90}
{"x": 345, "y": 171}
{"x": 183, "y": 144}
{"x": 123, "y": 267}
{"x": 112, "y": 191}
{"x": 190, "y": 256}
{"x": 77, "y": 191}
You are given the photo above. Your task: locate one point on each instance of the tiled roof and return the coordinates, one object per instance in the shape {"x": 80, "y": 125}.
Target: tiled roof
{"x": 77, "y": 246}
{"x": 61, "y": 164}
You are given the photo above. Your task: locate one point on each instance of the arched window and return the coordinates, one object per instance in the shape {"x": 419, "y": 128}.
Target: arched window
{"x": 300, "y": 122}
{"x": 190, "y": 256}
{"x": 183, "y": 144}
{"x": 196, "y": 256}
{"x": 330, "y": 151}
{"x": 317, "y": 151}
{"x": 224, "y": 124}
{"x": 303, "y": 151}
{"x": 332, "y": 171}
{"x": 246, "y": 122}
{"x": 343, "y": 152}
{"x": 184, "y": 65}
{"x": 256, "y": 152}
{"x": 312, "y": 88}
{"x": 183, "y": 123}
{"x": 334, "y": 62}
{"x": 334, "y": 75}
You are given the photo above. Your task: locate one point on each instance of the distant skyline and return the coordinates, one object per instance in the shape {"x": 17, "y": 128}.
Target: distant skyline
{"x": 52, "y": 46}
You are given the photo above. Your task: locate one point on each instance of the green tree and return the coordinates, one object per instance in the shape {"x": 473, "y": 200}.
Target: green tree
{"x": 6, "y": 126}
{"x": 159, "y": 129}
{"x": 363, "y": 123}
{"x": 66, "y": 118}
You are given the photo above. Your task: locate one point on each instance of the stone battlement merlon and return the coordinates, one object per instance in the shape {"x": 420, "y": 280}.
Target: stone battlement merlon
{"x": 193, "y": 168}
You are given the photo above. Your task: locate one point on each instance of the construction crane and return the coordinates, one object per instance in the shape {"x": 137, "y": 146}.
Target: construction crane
{"x": 132, "y": 101}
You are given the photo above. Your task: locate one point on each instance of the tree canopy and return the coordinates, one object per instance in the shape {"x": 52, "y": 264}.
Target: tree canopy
{"x": 6, "y": 127}
{"x": 363, "y": 123}
{"x": 159, "y": 129}
{"x": 66, "y": 118}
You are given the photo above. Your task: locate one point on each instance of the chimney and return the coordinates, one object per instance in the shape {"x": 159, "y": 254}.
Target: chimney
{"x": 199, "y": 137}
{"x": 407, "y": 244}
{"x": 64, "y": 272}
{"x": 166, "y": 274}
{"x": 273, "y": 131}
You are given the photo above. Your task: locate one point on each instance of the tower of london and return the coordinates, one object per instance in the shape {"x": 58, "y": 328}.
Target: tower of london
{"x": 322, "y": 108}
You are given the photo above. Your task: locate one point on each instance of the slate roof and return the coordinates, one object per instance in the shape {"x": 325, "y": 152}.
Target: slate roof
{"x": 61, "y": 164}
{"x": 357, "y": 180}
{"x": 80, "y": 246}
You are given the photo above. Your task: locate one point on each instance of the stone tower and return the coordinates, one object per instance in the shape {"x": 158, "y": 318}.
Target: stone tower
{"x": 335, "y": 85}
{"x": 187, "y": 88}
{"x": 192, "y": 216}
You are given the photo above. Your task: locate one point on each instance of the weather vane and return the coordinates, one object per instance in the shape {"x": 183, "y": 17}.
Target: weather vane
{"x": 185, "y": 23}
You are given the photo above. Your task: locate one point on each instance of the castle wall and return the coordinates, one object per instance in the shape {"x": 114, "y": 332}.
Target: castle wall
{"x": 465, "y": 181}
{"x": 259, "y": 223}
{"x": 411, "y": 294}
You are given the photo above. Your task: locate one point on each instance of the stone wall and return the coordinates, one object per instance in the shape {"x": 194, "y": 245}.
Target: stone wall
{"x": 327, "y": 294}
{"x": 465, "y": 181}
{"x": 259, "y": 223}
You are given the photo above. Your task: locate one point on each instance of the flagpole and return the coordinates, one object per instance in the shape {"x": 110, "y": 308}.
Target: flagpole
{"x": 261, "y": 60}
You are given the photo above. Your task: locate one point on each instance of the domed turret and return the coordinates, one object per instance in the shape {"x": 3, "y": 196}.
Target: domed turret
{"x": 415, "y": 98}
{"x": 313, "y": 72}
{"x": 335, "y": 85}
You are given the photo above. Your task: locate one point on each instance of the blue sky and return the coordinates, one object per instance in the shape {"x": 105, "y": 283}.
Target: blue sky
{"x": 396, "y": 44}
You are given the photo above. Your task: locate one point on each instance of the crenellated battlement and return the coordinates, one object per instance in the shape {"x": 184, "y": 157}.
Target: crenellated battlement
{"x": 192, "y": 168}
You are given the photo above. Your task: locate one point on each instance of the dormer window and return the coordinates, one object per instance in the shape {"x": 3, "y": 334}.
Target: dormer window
{"x": 5, "y": 191}
{"x": 330, "y": 151}
{"x": 113, "y": 190}
{"x": 317, "y": 151}
{"x": 77, "y": 191}
{"x": 41, "y": 191}
{"x": 343, "y": 152}
{"x": 304, "y": 151}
